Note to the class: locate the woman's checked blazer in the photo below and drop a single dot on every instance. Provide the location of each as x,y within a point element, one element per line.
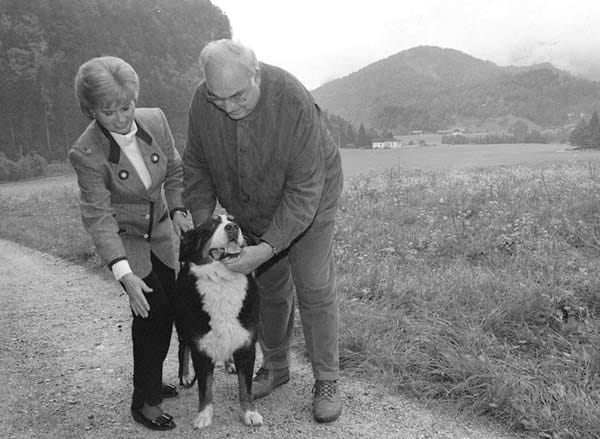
<point>126,220</point>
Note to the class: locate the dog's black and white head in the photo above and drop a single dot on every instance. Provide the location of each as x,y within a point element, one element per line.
<point>216,239</point>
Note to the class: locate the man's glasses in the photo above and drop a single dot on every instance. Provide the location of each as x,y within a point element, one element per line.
<point>238,98</point>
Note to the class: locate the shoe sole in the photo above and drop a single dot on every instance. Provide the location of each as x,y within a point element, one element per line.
<point>326,419</point>
<point>277,383</point>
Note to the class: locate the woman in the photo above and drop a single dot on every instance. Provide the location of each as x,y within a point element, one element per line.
<point>130,181</point>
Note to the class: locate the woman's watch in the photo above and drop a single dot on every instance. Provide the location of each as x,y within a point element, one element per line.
<point>178,209</point>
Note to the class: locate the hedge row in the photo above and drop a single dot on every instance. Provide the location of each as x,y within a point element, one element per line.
<point>31,165</point>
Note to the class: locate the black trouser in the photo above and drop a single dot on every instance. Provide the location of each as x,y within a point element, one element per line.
<point>152,336</point>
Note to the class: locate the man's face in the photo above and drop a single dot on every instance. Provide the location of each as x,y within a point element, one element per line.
<point>234,91</point>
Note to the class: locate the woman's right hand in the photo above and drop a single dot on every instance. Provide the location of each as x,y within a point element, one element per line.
<point>136,288</point>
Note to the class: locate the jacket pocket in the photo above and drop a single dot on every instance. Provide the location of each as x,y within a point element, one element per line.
<point>132,218</point>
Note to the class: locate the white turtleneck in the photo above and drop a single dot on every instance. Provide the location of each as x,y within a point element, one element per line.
<point>129,145</point>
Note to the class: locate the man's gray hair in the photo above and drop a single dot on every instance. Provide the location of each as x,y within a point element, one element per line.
<point>221,53</point>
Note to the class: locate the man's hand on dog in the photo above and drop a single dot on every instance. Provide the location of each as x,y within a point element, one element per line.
<point>136,288</point>
<point>250,258</point>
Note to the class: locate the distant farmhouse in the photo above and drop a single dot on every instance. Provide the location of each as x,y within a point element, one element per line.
<point>454,131</point>
<point>386,144</point>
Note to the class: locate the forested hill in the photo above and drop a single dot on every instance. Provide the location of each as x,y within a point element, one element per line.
<point>430,88</point>
<point>43,42</point>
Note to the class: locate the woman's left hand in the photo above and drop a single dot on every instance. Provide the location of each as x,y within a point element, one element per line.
<point>181,223</point>
<point>250,258</point>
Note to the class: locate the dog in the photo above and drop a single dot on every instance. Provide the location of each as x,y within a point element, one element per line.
<point>216,314</point>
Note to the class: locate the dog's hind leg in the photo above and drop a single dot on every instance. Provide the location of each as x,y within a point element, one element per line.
<point>186,379</point>
<point>204,367</point>
<point>244,363</point>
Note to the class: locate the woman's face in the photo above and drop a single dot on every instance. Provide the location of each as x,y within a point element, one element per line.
<point>116,118</point>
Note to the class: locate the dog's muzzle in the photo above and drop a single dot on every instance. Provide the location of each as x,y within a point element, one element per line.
<point>221,254</point>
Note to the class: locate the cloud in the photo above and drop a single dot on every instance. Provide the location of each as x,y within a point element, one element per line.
<point>578,58</point>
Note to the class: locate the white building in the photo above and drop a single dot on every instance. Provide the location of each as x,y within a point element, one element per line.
<point>386,144</point>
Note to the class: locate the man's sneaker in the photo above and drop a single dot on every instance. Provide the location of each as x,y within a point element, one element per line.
<point>327,402</point>
<point>267,380</point>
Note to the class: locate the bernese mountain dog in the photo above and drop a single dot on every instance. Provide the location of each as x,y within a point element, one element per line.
<point>216,314</point>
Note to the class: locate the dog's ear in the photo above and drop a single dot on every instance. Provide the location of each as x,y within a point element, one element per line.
<point>193,241</point>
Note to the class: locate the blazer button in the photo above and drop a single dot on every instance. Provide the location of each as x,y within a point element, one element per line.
<point>147,216</point>
<point>146,236</point>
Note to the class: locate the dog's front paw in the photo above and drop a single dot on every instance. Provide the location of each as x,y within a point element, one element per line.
<point>252,417</point>
<point>204,418</point>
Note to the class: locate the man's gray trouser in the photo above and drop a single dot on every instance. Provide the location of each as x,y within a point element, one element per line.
<point>308,266</point>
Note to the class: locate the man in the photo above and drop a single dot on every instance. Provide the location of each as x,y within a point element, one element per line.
<point>257,144</point>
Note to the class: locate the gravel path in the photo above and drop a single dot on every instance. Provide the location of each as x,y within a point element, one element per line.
<point>66,367</point>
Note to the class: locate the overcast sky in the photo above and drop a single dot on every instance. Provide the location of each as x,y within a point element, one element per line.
<point>320,40</point>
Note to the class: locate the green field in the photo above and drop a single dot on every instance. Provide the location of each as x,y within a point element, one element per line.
<point>447,157</point>
<point>467,274</point>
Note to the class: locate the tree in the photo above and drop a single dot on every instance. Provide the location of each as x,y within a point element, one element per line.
<point>520,130</point>
<point>363,139</point>
<point>580,135</point>
<point>350,135</point>
<point>594,131</point>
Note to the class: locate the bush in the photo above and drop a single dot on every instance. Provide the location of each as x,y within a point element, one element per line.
<point>14,171</point>
<point>31,165</point>
<point>38,164</point>
<point>4,168</point>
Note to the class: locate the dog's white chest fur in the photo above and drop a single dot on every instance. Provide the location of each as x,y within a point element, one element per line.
<point>223,294</point>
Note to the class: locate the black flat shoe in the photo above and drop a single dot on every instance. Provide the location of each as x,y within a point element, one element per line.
<point>169,391</point>
<point>163,422</point>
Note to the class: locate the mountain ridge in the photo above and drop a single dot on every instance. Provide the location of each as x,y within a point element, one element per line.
<point>430,88</point>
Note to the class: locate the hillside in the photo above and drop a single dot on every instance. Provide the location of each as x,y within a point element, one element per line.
<point>431,88</point>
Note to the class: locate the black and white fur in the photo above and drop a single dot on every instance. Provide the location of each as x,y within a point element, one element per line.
<point>216,314</point>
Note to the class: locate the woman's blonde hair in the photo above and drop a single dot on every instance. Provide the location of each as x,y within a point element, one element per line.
<point>105,81</point>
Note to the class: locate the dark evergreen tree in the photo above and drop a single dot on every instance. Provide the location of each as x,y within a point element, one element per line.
<point>594,131</point>
<point>363,139</point>
<point>580,135</point>
<point>350,135</point>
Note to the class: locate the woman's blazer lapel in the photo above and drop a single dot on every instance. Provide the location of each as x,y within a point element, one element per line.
<point>124,174</point>
<point>154,157</point>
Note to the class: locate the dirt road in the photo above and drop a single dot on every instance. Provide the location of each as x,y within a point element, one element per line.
<point>66,368</point>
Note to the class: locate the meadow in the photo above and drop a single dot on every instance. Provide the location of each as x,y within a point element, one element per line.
<point>477,286</point>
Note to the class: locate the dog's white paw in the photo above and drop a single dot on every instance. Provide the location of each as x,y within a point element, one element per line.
<point>188,379</point>
<point>204,418</point>
<point>252,417</point>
